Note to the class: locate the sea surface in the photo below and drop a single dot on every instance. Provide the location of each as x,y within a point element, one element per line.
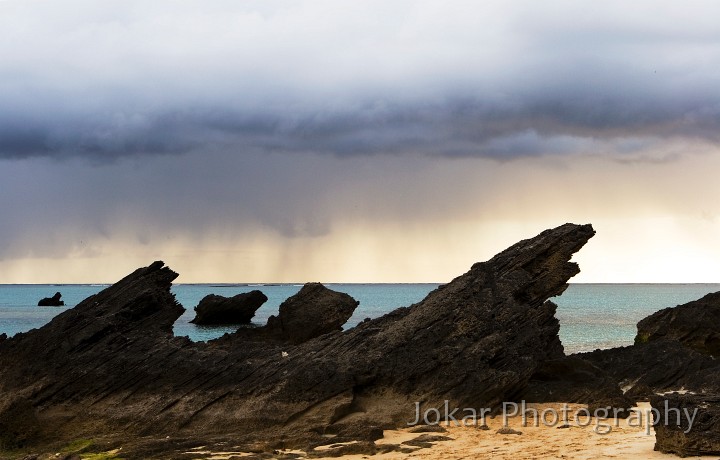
<point>591,315</point>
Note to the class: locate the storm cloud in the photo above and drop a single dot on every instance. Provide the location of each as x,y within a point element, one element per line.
<point>355,141</point>
<point>497,79</point>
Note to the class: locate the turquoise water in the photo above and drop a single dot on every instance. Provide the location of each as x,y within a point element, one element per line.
<point>605,315</point>
<point>591,315</point>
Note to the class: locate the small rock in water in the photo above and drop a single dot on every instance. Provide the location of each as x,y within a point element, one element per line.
<point>53,301</point>
<point>240,309</point>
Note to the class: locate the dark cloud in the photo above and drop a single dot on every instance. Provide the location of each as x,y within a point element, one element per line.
<point>449,129</point>
<point>498,80</point>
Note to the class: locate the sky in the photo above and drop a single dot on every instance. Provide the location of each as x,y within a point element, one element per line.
<point>347,141</point>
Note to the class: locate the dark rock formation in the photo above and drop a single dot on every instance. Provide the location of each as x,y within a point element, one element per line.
<point>312,312</point>
<point>689,425</point>
<point>695,324</point>
<point>53,301</point>
<point>575,380</point>
<point>239,309</point>
<point>658,366</point>
<point>675,349</point>
<point>112,367</point>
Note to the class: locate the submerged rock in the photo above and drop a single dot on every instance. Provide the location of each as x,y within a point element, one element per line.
<point>239,309</point>
<point>53,301</point>
<point>113,367</point>
<point>694,324</point>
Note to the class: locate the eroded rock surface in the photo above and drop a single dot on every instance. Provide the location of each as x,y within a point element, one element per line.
<point>111,366</point>
<point>240,309</point>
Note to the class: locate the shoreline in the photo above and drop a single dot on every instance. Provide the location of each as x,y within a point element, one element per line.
<point>574,440</point>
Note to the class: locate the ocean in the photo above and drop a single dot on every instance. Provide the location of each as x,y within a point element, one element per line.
<point>591,315</point>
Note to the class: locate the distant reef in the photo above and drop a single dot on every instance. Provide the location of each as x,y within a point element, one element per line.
<point>111,370</point>
<point>53,301</point>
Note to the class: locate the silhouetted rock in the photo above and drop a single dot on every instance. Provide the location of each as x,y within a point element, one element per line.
<point>674,431</point>
<point>694,324</point>
<point>239,309</point>
<point>312,312</point>
<point>113,367</point>
<point>53,301</point>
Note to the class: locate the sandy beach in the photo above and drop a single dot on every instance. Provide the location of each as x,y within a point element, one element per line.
<point>624,441</point>
<point>575,442</point>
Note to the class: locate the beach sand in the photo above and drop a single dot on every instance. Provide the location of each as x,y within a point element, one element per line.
<point>626,439</point>
<point>573,442</point>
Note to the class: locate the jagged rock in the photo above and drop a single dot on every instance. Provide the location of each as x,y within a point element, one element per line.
<point>53,301</point>
<point>575,380</point>
<point>658,366</point>
<point>312,312</point>
<point>694,324</point>
<point>674,433</point>
<point>113,367</point>
<point>239,309</point>
<point>674,350</point>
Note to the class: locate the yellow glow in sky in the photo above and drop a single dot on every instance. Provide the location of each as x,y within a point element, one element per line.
<point>655,222</point>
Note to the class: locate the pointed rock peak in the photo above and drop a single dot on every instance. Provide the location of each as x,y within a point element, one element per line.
<point>534,269</point>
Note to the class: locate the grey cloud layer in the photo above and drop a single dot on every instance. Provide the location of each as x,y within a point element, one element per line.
<point>500,79</point>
